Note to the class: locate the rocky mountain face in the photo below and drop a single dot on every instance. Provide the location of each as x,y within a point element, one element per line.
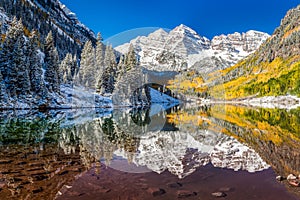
<point>285,40</point>
<point>50,15</point>
<point>273,69</point>
<point>183,48</point>
<point>247,42</point>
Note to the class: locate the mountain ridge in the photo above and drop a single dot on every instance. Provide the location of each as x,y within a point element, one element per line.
<point>272,70</point>
<point>181,48</point>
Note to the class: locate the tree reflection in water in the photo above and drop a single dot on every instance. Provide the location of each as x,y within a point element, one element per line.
<point>41,152</point>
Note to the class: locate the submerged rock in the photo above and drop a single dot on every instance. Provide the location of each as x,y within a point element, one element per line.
<point>175,185</point>
<point>219,194</point>
<point>291,177</point>
<point>279,178</point>
<point>185,193</point>
<point>294,183</point>
<point>156,191</point>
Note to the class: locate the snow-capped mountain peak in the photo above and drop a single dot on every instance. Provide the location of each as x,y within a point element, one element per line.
<point>183,48</point>
<point>184,30</point>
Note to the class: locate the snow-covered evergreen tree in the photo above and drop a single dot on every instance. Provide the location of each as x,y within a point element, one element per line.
<point>99,62</point>
<point>75,66</point>
<point>52,75</point>
<point>20,63</point>
<point>87,72</point>
<point>6,57</point>
<point>121,70</point>
<point>130,59</point>
<point>99,53</point>
<point>105,84</point>
<point>35,66</point>
<point>66,68</point>
<point>7,48</point>
<point>14,63</point>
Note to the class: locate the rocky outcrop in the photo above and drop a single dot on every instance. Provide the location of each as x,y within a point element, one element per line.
<point>247,42</point>
<point>285,40</point>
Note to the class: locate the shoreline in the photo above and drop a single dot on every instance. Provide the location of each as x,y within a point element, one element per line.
<point>281,102</point>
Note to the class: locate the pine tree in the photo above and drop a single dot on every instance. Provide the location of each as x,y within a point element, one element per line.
<point>20,62</point>
<point>87,71</point>
<point>52,75</point>
<point>6,57</point>
<point>130,59</point>
<point>106,83</point>
<point>99,52</point>
<point>121,70</point>
<point>66,67</point>
<point>107,58</point>
<point>15,64</point>
<point>35,66</point>
<point>75,67</point>
<point>99,62</point>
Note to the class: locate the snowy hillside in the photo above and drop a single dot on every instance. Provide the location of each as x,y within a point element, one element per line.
<point>52,15</point>
<point>183,48</point>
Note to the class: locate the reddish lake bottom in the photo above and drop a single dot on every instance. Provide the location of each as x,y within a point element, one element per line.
<point>112,184</point>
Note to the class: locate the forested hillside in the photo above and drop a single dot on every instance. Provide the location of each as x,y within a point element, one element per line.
<point>45,16</point>
<point>32,75</point>
<point>274,69</point>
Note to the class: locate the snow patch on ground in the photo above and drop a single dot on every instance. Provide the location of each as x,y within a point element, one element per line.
<point>159,97</point>
<point>80,97</point>
<point>284,102</point>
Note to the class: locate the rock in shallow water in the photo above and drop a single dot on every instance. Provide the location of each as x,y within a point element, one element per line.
<point>218,194</point>
<point>175,185</point>
<point>156,191</point>
<point>294,183</point>
<point>291,177</point>
<point>185,193</point>
<point>279,178</point>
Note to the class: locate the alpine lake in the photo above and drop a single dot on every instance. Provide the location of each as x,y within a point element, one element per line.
<point>163,152</point>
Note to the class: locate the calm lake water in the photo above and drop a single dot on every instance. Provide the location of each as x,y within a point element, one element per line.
<point>164,152</point>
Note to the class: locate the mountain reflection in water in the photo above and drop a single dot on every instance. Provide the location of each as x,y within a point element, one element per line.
<point>42,153</point>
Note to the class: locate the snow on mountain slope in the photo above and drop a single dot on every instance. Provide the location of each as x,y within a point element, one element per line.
<point>51,15</point>
<point>183,48</point>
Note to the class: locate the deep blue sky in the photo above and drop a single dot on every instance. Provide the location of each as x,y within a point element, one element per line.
<point>207,17</point>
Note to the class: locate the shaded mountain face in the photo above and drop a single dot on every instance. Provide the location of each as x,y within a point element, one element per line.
<point>50,15</point>
<point>183,48</point>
